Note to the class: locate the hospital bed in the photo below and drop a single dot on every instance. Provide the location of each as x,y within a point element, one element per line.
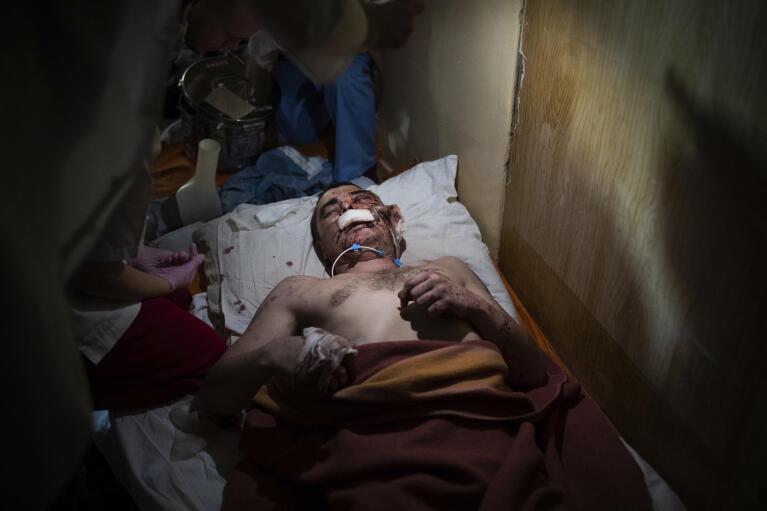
<point>168,460</point>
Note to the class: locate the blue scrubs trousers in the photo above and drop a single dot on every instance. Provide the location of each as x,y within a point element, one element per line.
<point>307,110</point>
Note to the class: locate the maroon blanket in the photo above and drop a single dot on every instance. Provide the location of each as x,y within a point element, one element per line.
<point>549,448</point>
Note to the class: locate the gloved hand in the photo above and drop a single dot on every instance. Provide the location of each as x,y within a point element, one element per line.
<point>178,268</point>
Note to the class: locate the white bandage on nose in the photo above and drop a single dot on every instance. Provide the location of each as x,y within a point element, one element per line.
<point>322,354</point>
<point>354,215</point>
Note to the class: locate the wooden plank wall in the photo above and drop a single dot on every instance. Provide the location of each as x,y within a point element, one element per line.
<point>635,225</point>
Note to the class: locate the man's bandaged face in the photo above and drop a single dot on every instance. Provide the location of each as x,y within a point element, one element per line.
<point>364,219</point>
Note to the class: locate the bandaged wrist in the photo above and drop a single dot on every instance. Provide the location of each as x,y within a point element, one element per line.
<point>321,354</point>
<point>320,346</point>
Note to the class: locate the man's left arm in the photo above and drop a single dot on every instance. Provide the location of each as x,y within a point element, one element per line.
<point>466,297</point>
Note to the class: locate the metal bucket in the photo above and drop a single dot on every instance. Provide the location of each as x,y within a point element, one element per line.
<point>219,102</point>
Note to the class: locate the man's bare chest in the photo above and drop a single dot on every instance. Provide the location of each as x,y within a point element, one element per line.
<point>357,284</point>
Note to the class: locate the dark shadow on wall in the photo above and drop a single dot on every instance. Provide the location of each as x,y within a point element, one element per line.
<point>714,191</point>
<point>710,444</point>
<point>713,232</point>
<point>595,352</point>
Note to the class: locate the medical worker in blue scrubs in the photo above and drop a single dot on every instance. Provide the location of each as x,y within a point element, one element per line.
<point>306,111</point>
<point>310,106</point>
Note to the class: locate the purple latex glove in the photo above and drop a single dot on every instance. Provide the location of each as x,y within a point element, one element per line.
<point>149,258</point>
<point>178,268</point>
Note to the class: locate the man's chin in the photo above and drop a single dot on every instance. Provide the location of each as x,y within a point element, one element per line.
<point>368,236</point>
<point>358,234</point>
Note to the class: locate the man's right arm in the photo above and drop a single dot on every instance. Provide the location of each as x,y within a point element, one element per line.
<point>269,347</point>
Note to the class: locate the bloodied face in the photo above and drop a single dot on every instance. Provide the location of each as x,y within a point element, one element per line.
<point>330,238</point>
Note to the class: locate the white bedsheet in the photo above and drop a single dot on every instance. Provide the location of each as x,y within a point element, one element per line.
<point>139,448</point>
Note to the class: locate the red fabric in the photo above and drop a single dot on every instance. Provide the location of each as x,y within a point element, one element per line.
<point>565,455</point>
<point>165,354</point>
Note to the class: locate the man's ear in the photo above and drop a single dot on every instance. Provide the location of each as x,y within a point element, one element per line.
<point>391,212</point>
<point>395,214</point>
<point>396,219</point>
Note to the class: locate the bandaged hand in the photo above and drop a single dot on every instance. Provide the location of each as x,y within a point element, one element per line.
<point>178,268</point>
<point>320,366</point>
<point>437,294</point>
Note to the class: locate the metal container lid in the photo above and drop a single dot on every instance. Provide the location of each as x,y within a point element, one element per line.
<point>218,86</point>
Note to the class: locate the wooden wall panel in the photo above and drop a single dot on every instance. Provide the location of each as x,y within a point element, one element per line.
<point>635,224</point>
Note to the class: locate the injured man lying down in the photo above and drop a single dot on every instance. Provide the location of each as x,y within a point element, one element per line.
<point>392,387</point>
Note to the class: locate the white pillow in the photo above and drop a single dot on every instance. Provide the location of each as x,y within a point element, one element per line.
<point>426,187</point>
<point>258,246</point>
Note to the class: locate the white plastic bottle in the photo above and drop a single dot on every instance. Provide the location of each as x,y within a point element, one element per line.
<point>198,199</point>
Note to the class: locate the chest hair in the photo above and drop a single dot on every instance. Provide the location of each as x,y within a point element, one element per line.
<point>383,281</point>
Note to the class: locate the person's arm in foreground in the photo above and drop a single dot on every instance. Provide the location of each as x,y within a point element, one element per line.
<point>118,281</point>
<point>270,347</point>
<point>153,272</point>
<point>469,299</point>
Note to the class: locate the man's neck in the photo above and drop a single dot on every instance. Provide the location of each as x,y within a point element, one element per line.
<point>376,265</point>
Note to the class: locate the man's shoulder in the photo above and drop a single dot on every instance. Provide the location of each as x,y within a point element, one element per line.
<point>297,282</point>
<point>450,262</point>
<point>294,290</point>
<point>452,267</point>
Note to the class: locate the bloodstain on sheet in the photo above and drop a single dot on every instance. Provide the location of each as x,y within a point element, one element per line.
<point>289,263</point>
<point>228,249</point>
<point>242,307</point>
